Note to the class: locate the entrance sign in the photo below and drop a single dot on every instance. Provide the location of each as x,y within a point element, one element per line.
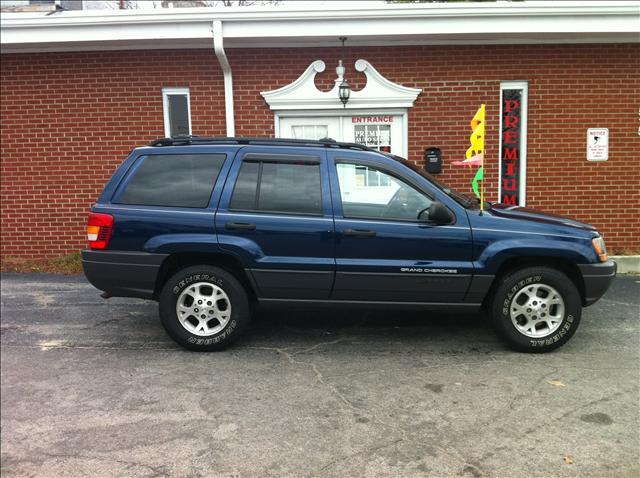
<point>597,144</point>
<point>372,119</point>
<point>513,134</point>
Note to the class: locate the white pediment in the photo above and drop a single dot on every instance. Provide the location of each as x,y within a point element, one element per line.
<point>378,92</point>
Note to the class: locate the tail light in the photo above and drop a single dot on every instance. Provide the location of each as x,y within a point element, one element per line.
<point>99,230</point>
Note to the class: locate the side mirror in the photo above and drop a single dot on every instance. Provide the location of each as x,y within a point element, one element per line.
<point>440,214</point>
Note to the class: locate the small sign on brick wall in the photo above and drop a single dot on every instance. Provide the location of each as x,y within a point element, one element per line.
<point>597,144</point>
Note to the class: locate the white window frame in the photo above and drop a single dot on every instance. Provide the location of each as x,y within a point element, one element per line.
<point>165,107</point>
<point>524,115</point>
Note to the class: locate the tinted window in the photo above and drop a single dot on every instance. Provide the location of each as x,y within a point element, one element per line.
<point>369,193</point>
<point>283,187</point>
<point>178,114</point>
<point>180,180</point>
<point>244,192</point>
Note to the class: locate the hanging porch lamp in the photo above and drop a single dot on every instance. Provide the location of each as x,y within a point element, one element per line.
<point>344,90</point>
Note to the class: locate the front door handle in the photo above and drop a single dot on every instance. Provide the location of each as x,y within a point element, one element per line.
<point>240,226</point>
<point>359,232</point>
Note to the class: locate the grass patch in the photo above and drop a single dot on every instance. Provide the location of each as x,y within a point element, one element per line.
<point>70,264</point>
<point>624,252</point>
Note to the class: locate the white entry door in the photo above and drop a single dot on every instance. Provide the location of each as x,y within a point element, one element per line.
<point>379,131</point>
<point>310,128</point>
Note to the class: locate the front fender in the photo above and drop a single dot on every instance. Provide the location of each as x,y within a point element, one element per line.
<point>497,252</point>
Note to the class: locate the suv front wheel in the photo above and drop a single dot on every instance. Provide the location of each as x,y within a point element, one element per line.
<point>536,309</point>
<point>204,308</point>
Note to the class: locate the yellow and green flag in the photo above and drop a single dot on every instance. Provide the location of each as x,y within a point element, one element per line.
<point>477,136</point>
<point>475,153</point>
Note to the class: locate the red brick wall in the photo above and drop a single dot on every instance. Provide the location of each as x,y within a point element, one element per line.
<point>69,119</point>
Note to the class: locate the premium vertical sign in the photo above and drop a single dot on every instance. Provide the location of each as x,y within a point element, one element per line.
<point>511,150</point>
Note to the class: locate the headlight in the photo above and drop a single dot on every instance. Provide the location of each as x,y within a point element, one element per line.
<point>600,248</point>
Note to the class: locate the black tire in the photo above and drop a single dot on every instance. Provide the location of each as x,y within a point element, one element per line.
<point>514,287</point>
<point>204,274</point>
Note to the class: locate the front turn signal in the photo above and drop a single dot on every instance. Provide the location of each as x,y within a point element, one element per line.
<point>600,248</point>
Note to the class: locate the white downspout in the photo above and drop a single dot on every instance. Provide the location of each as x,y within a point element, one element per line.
<point>218,47</point>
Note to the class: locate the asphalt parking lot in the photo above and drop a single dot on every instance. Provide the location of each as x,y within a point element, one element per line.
<point>95,388</point>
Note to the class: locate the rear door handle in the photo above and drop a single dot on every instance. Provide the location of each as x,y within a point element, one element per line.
<point>359,232</point>
<point>240,226</point>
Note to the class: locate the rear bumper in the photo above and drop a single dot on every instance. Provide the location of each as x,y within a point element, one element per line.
<point>597,279</point>
<point>122,273</point>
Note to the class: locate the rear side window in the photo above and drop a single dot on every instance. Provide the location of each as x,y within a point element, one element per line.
<point>245,190</point>
<point>175,180</point>
<point>286,187</point>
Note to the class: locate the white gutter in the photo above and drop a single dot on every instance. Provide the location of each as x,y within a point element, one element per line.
<point>269,13</point>
<point>218,47</point>
<point>389,24</point>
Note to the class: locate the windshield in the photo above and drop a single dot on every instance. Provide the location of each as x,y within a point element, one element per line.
<point>462,199</point>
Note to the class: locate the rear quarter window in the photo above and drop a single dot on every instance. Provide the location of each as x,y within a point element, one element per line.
<point>174,180</point>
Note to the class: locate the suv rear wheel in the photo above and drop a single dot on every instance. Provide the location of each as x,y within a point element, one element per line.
<point>536,309</point>
<point>204,308</point>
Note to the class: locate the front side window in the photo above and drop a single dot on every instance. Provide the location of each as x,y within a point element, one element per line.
<point>175,180</point>
<point>286,187</point>
<point>381,196</point>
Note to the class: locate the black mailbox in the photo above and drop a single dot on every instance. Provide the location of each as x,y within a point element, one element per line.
<point>433,160</point>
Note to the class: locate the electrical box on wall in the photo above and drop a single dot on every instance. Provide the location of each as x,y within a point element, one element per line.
<point>433,160</point>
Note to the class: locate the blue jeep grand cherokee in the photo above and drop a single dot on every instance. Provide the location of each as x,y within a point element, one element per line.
<point>210,227</point>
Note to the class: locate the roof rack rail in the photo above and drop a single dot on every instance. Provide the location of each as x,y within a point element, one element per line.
<point>324,142</point>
